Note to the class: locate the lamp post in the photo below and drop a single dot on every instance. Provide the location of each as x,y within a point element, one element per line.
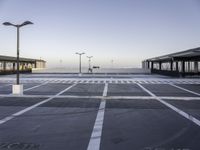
<point>80,54</point>
<point>18,26</point>
<point>112,62</point>
<point>89,62</point>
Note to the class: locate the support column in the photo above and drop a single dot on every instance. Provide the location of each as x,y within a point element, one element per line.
<point>13,66</point>
<point>177,66</point>
<point>148,65</point>
<point>171,65</point>
<point>160,65</point>
<point>183,66</point>
<point>152,65</point>
<point>4,66</point>
<point>196,67</point>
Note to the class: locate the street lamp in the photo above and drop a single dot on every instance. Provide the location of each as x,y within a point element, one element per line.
<point>89,62</point>
<point>80,54</point>
<point>18,26</point>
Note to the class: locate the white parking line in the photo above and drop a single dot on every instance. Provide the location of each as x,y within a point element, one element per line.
<point>33,106</point>
<point>35,86</point>
<point>195,93</point>
<point>105,90</point>
<point>101,97</point>
<point>95,139</point>
<point>179,111</point>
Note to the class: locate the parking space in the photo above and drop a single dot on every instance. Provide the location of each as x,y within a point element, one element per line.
<point>8,105</point>
<point>7,88</point>
<point>59,124</point>
<point>4,84</point>
<point>192,87</point>
<point>191,107</point>
<point>48,89</point>
<point>86,90</point>
<point>125,90</point>
<point>116,115</point>
<point>167,90</point>
<point>146,124</point>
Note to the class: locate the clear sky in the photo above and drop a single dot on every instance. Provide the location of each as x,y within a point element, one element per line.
<point>125,31</point>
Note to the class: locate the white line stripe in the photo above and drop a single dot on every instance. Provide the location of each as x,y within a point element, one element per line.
<point>33,106</point>
<point>105,90</point>
<point>35,86</point>
<point>185,89</point>
<point>95,139</point>
<point>179,111</point>
<point>100,97</point>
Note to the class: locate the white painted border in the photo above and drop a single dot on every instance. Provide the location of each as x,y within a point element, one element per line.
<point>95,139</point>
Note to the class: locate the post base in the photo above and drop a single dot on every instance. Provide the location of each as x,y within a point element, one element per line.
<point>17,89</point>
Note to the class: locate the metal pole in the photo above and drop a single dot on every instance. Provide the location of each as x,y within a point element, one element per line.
<point>79,63</point>
<point>18,55</point>
<point>89,62</point>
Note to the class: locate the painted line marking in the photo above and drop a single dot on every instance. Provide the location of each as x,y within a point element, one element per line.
<point>101,97</point>
<point>179,111</point>
<point>35,86</point>
<point>33,106</point>
<point>95,139</point>
<point>195,93</point>
<point>105,90</point>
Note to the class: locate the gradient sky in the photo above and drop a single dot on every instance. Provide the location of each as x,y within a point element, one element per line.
<point>126,31</point>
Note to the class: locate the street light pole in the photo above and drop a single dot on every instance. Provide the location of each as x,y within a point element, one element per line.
<point>17,55</point>
<point>89,62</point>
<point>17,89</point>
<point>18,26</point>
<point>80,54</point>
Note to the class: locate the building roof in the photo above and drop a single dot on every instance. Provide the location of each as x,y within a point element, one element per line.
<point>182,55</point>
<point>13,59</point>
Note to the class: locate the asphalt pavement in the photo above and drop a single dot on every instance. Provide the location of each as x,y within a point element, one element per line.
<point>100,114</point>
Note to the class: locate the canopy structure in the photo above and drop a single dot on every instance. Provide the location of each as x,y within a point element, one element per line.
<point>8,64</point>
<point>176,64</point>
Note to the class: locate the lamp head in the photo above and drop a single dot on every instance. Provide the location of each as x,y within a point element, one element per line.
<point>8,24</point>
<point>25,23</point>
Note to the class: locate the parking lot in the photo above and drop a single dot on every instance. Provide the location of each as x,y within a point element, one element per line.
<point>100,113</point>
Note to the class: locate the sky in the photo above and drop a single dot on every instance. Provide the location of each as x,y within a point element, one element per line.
<point>118,33</point>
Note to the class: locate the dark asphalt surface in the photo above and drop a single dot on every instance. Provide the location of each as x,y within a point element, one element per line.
<point>7,88</point>
<point>129,124</point>
<point>125,90</point>
<point>48,89</point>
<point>191,107</point>
<point>192,87</point>
<point>86,90</point>
<point>167,90</point>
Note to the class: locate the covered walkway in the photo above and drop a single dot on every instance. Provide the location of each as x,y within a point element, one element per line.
<point>8,64</point>
<point>184,63</point>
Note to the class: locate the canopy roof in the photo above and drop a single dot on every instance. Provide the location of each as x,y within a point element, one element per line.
<point>191,54</point>
<point>13,59</point>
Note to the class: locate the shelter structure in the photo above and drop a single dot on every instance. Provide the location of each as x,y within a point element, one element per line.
<point>8,64</point>
<point>184,63</point>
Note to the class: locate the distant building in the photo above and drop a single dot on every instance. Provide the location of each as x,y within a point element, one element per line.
<point>8,64</point>
<point>184,63</point>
